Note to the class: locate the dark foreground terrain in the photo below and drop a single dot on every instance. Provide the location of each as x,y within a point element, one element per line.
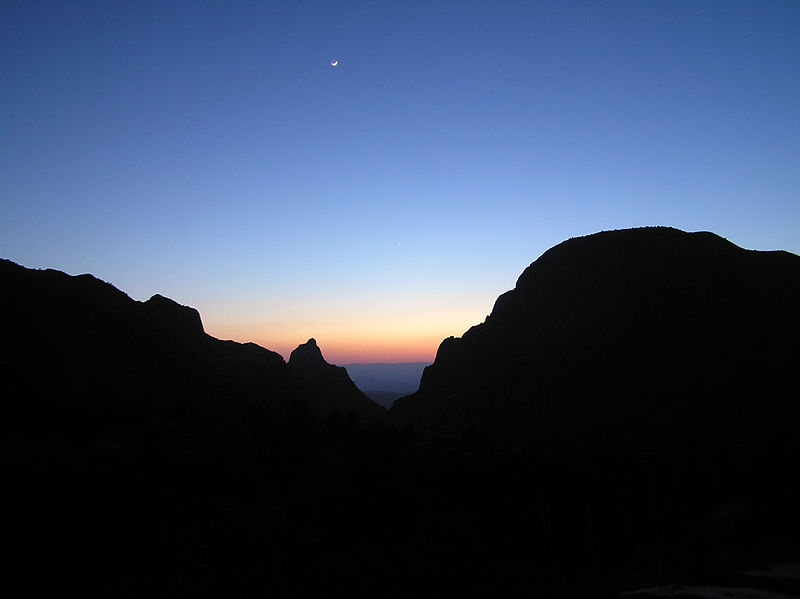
<point>171,509</point>
<point>142,457</point>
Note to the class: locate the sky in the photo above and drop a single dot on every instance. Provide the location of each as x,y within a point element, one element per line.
<point>208,151</point>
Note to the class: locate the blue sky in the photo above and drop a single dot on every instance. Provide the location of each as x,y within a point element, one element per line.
<point>209,152</point>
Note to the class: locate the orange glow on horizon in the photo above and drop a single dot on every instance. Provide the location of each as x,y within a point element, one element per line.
<point>406,337</point>
<point>350,351</point>
<point>347,349</point>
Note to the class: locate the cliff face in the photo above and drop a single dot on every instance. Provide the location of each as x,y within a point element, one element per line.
<point>641,335</point>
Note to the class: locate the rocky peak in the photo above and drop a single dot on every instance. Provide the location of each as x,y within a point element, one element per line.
<point>326,387</point>
<point>307,354</point>
<point>171,316</point>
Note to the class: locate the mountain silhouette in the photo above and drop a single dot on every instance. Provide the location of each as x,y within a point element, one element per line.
<point>327,388</point>
<point>75,342</point>
<point>649,335</point>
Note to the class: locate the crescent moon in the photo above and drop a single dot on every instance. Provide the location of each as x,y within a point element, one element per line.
<point>335,63</point>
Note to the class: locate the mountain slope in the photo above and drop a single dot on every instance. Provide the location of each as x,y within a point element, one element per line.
<point>644,335</point>
<point>326,387</point>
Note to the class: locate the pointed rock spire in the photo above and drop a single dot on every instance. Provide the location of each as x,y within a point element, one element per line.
<point>326,387</point>
<point>307,354</point>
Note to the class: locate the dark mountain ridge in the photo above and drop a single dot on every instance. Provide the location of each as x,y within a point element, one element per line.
<point>648,335</point>
<point>76,341</point>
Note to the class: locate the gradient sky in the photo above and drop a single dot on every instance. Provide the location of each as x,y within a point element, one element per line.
<point>209,152</point>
